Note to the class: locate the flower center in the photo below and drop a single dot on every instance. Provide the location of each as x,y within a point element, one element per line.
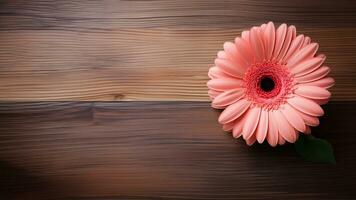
<point>268,84</point>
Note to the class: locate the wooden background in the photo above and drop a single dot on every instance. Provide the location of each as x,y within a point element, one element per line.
<point>108,100</point>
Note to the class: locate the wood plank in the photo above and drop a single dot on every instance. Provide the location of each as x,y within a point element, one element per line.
<point>108,15</point>
<point>152,150</point>
<point>149,50</point>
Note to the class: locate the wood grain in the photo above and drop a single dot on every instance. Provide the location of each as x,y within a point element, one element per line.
<point>160,150</point>
<point>155,50</point>
<point>150,50</point>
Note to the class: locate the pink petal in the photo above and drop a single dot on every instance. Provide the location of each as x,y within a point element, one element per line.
<point>222,54</point>
<point>286,42</point>
<point>245,35</point>
<point>269,39</point>
<point>228,97</point>
<point>250,141</point>
<point>306,41</point>
<point>321,101</point>
<point>324,83</point>
<point>281,140</point>
<point>252,118</point>
<point>235,56</point>
<point>284,128</point>
<point>216,72</point>
<point>303,54</point>
<point>262,128</point>
<point>319,73</point>
<point>263,27</point>
<point>237,130</point>
<point>293,117</point>
<point>307,66</point>
<point>231,50</point>
<point>244,50</point>
<point>308,119</point>
<point>272,134</point>
<point>229,67</point>
<point>321,56</point>
<point>294,31</point>
<point>224,84</point>
<point>306,106</point>
<point>280,35</point>
<point>312,92</point>
<point>234,111</point>
<point>229,126</point>
<point>257,44</point>
<point>294,47</point>
<point>213,93</point>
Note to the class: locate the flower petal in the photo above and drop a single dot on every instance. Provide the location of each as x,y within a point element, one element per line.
<point>244,50</point>
<point>228,97</point>
<point>284,128</point>
<point>229,126</point>
<point>272,134</point>
<point>308,119</point>
<point>281,140</point>
<point>303,54</point>
<point>317,74</point>
<point>245,35</point>
<point>257,43</point>
<point>324,82</point>
<point>286,43</point>
<point>263,27</point>
<point>307,66</point>
<point>306,106</point>
<point>306,41</point>
<point>269,39</point>
<point>250,141</point>
<point>235,56</point>
<point>321,101</point>
<point>312,92</point>
<point>293,117</point>
<point>237,130</point>
<point>262,128</point>
<point>294,47</point>
<point>222,54</point>
<point>224,84</point>
<point>280,35</point>
<point>230,49</point>
<point>252,118</point>
<point>293,30</point>
<point>234,111</point>
<point>213,93</point>
<point>216,72</point>
<point>229,67</point>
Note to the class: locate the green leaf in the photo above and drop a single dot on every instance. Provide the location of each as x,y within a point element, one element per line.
<point>314,149</point>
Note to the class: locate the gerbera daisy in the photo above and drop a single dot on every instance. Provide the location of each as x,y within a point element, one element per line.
<point>271,84</point>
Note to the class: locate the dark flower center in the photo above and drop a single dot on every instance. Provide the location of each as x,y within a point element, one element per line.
<point>267,84</point>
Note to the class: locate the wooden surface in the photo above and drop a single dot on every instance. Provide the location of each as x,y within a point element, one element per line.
<point>150,50</point>
<point>58,141</point>
<point>151,150</point>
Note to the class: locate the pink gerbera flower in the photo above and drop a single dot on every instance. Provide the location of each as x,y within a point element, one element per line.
<point>271,84</point>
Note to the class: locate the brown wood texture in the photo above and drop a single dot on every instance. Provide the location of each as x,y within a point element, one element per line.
<point>139,51</point>
<point>156,150</point>
<point>150,50</point>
